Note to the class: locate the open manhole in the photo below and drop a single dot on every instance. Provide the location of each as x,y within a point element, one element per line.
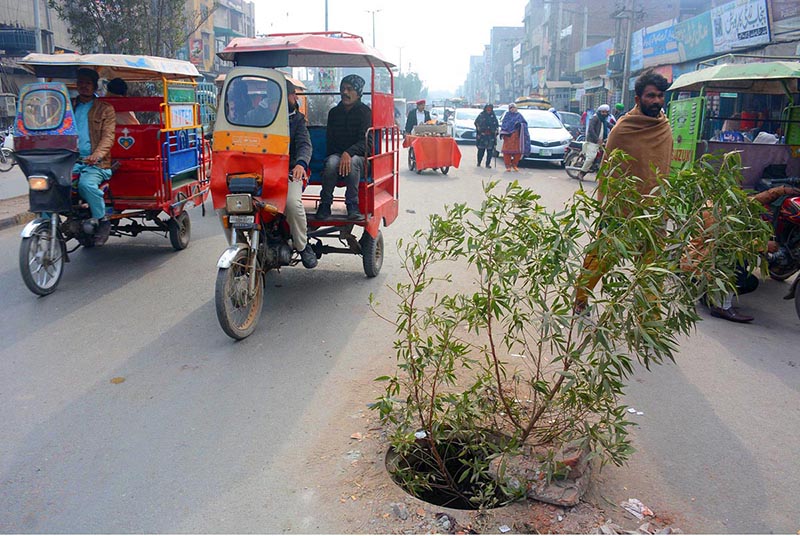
<point>460,488</point>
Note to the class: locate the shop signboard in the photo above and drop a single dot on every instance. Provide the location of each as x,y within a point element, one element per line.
<point>636,50</point>
<point>658,44</point>
<point>785,16</point>
<point>594,56</point>
<point>694,37</point>
<point>740,24</point>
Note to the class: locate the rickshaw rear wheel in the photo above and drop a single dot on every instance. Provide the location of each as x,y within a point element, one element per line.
<point>797,300</point>
<point>412,159</point>
<point>237,311</point>
<point>372,253</point>
<point>40,273</point>
<point>180,231</point>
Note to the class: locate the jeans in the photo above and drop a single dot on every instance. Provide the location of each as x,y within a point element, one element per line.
<point>330,176</point>
<point>88,187</point>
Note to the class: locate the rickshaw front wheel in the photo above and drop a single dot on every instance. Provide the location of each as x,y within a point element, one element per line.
<point>372,253</point>
<point>180,231</point>
<point>237,310</point>
<point>40,272</point>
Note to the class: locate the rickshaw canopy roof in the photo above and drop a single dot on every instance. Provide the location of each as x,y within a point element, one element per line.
<point>330,49</point>
<point>773,77</point>
<point>108,66</point>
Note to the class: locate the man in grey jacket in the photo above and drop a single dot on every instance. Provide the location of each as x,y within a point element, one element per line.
<point>596,136</point>
<point>299,158</point>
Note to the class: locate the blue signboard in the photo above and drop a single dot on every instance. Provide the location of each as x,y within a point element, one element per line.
<point>594,56</point>
<point>695,37</point>
<point>658,44</point>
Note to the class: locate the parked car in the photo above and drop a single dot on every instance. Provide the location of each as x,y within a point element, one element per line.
<point>572,122</point>
<point>500,110</point>
<point>549,138</point>
<point>464,123</point>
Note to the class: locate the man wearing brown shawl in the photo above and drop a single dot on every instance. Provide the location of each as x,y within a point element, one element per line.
<point>644,134</point>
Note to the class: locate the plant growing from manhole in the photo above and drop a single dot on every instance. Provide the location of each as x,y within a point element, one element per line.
<point>494,361</point>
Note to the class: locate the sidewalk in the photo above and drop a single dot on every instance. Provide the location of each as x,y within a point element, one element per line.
<point>14,211</point>
<point>13,198</point>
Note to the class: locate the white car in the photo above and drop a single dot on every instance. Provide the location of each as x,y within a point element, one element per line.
<point>549,138</point>
<point>464,123</point>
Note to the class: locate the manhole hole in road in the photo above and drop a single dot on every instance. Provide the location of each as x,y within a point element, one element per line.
<point>454,476</point>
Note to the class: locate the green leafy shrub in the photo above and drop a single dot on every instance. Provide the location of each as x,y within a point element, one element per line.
<point>505,363</point>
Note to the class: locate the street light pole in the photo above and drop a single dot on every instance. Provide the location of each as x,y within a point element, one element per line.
<point>373,11</point>
<point>326,15</point>
<point>626,72</point>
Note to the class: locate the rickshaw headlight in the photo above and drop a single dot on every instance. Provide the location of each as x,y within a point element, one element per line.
<point>239,204</point>
<point>38,182</point>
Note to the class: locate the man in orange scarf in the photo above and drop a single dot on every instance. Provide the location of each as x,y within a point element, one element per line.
<point>644,134</point>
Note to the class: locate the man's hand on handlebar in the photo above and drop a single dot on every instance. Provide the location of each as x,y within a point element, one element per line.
<point>298,173</point>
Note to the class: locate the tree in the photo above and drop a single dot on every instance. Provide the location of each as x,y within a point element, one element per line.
<point>151,27</point>
<point>503,364</point>
<point>409,86</point>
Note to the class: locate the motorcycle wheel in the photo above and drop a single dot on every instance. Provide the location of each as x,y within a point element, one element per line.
<point>40,273</point>
<point>779,275</point>
<point>797,300</point>
<point>237,312</point>
<point>372,253</point>
<point>180,231</point>
<point>6,159</point>
<point>573,163</point>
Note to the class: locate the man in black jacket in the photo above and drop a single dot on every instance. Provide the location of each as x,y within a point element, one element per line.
<point>346,140</point>
<point>418,116</point>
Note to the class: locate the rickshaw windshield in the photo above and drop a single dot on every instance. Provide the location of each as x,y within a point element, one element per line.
<point>252,101</point>
<point>43,109</point>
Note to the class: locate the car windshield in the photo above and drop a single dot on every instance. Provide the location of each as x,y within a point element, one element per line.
<point>570,119</point>
<point>467,114</point>
<point>541,119</point>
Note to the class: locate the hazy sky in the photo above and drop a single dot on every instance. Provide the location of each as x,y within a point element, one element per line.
<point>437,36</point>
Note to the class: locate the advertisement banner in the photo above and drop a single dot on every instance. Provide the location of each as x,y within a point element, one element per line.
<point>694,37</point>
<point>196,51</point>
<point>658,44</point>
<point>594,56</point>
<point>740,24</point>
<point>686,119</point>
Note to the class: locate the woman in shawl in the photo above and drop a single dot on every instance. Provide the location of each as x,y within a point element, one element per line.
<point>486,126</point>
<point>516,139</point>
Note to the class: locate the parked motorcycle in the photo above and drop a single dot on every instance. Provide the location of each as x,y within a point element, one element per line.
<point>574,159</point>
<point>785,220</point>
<point>7,159</point>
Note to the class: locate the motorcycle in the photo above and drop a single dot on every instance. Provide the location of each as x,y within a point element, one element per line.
<point>575,157</point>
<point>7,159</point>
<point>785,220</point>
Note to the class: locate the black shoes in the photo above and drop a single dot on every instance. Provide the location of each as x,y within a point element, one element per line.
<point>308,257</point>
<point>732,314</point>
<point>323,212</point>
<point>354,215</point>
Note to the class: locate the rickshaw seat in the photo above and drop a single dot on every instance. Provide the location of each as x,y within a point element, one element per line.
<point>136,141</point>
<point>319,150</point>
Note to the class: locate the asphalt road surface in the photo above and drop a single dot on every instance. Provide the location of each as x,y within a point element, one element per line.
<point>206,435</point>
